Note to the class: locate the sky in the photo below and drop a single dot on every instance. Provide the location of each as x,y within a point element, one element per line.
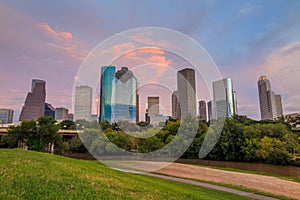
<point>246,39</point>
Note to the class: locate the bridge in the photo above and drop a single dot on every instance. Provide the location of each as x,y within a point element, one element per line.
<point>64,133</point>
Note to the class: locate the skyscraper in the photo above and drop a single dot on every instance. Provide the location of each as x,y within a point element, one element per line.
<point>224,98</point>
<point>186,86</point>
<point>83,103</point>
<point>106,87</point>
<point>6,116</point>
<point>124,96</point>
<point>34,106</point>
<point>211,110</point>
<point>202,110</point>
<point>175,105</point>
<point>279,105</point>
<point>270,104</point>
<point>153,106</point>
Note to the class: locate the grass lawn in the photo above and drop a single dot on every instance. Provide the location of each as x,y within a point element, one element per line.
<point>34,175</point>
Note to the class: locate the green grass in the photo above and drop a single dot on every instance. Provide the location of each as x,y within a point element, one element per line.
<point>34,175</point>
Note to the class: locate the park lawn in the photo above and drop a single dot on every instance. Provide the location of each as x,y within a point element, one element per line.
<point>34,175</point>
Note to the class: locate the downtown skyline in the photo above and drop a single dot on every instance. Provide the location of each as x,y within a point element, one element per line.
<point>254,39</point>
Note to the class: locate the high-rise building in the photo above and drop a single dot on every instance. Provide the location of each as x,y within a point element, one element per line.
<point>279,105</point>
<point>83,103</point>
<point>175,105</point>
<point>202,110</point>
<point>224,98</point>
<point>106,88</point>
<point>186,86</point>
<point>61,114</point>
<point>34,106</point>
<point>124,96</point>
<point>6,116</point>
<point>270,104</point>
<point>153,106</point>
<point>211,110</point>
<point>49,110</point>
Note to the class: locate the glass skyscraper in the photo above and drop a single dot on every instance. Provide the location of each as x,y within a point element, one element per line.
<point>124,96</point>
<point>106,87</point>
<point>224,98</point>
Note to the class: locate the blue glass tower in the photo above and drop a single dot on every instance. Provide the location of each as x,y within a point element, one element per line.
<point>107,76</point>
<point>124,96</point>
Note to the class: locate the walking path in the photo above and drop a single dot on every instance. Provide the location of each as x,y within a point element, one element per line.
<point>268,184</point>
<point>207,185</point>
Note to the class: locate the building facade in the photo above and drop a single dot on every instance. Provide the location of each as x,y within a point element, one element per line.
<point>61,114</point>
<point>186,86</point>
<point>153,106</point>
<point>6,116</point>
<point>34,106</point>
<point>202,110</point>
<point>83,103</point>
<point>270,104</point>
<point>49,110</point>
<point>175,105</point>
<point>106,88</point>
<point>211,110</point>
<point>124,96</point>
<point>224,98</point>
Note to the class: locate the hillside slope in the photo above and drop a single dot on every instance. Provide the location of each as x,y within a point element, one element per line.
<point>34,175</point>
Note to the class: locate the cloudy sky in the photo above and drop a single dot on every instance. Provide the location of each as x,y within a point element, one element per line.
<point>50,39</point>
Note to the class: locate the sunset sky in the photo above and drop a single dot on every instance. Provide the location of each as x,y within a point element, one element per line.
<point>246,39</point>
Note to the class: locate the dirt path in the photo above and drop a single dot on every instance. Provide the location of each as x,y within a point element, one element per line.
<point>262,183</point>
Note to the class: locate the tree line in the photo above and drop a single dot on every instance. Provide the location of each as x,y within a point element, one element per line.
<point>241,139</point>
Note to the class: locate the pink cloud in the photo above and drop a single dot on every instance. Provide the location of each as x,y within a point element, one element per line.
<point>56,35</point>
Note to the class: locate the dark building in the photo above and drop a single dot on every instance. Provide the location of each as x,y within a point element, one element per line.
<point>175,106</point>
<point>34,106</point>
<point>49,110</point>
<point>202,110</point>
<point>186,86</point>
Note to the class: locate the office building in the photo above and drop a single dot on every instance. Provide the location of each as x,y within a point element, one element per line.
<point>186,86</point>
<point>279,105</point>
<point>175,105</point>
<point>106,88</point>
<point>202,110</point>
<point>224,98</point>
<point>211,110</point>
<point>153,106</point>
<point>34,106</point>
<point>83,103</point>
<point>61,114</point>
<point>6,116</point>
<point>124,96</point>
<point>49,110</point>
<point>270,104</point>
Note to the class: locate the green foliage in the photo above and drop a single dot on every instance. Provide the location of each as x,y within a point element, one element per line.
<point>67,125</point>
<point>35,135</point>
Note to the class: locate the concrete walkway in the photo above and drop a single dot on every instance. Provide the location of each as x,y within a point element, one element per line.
<point>207,185</point>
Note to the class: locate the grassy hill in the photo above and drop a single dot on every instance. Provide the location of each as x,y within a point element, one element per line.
<point>34,175</point>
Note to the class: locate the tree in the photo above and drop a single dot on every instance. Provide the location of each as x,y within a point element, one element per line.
<point>67,125</point>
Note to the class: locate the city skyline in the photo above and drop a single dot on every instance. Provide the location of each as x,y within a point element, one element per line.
<point>52,47</point>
